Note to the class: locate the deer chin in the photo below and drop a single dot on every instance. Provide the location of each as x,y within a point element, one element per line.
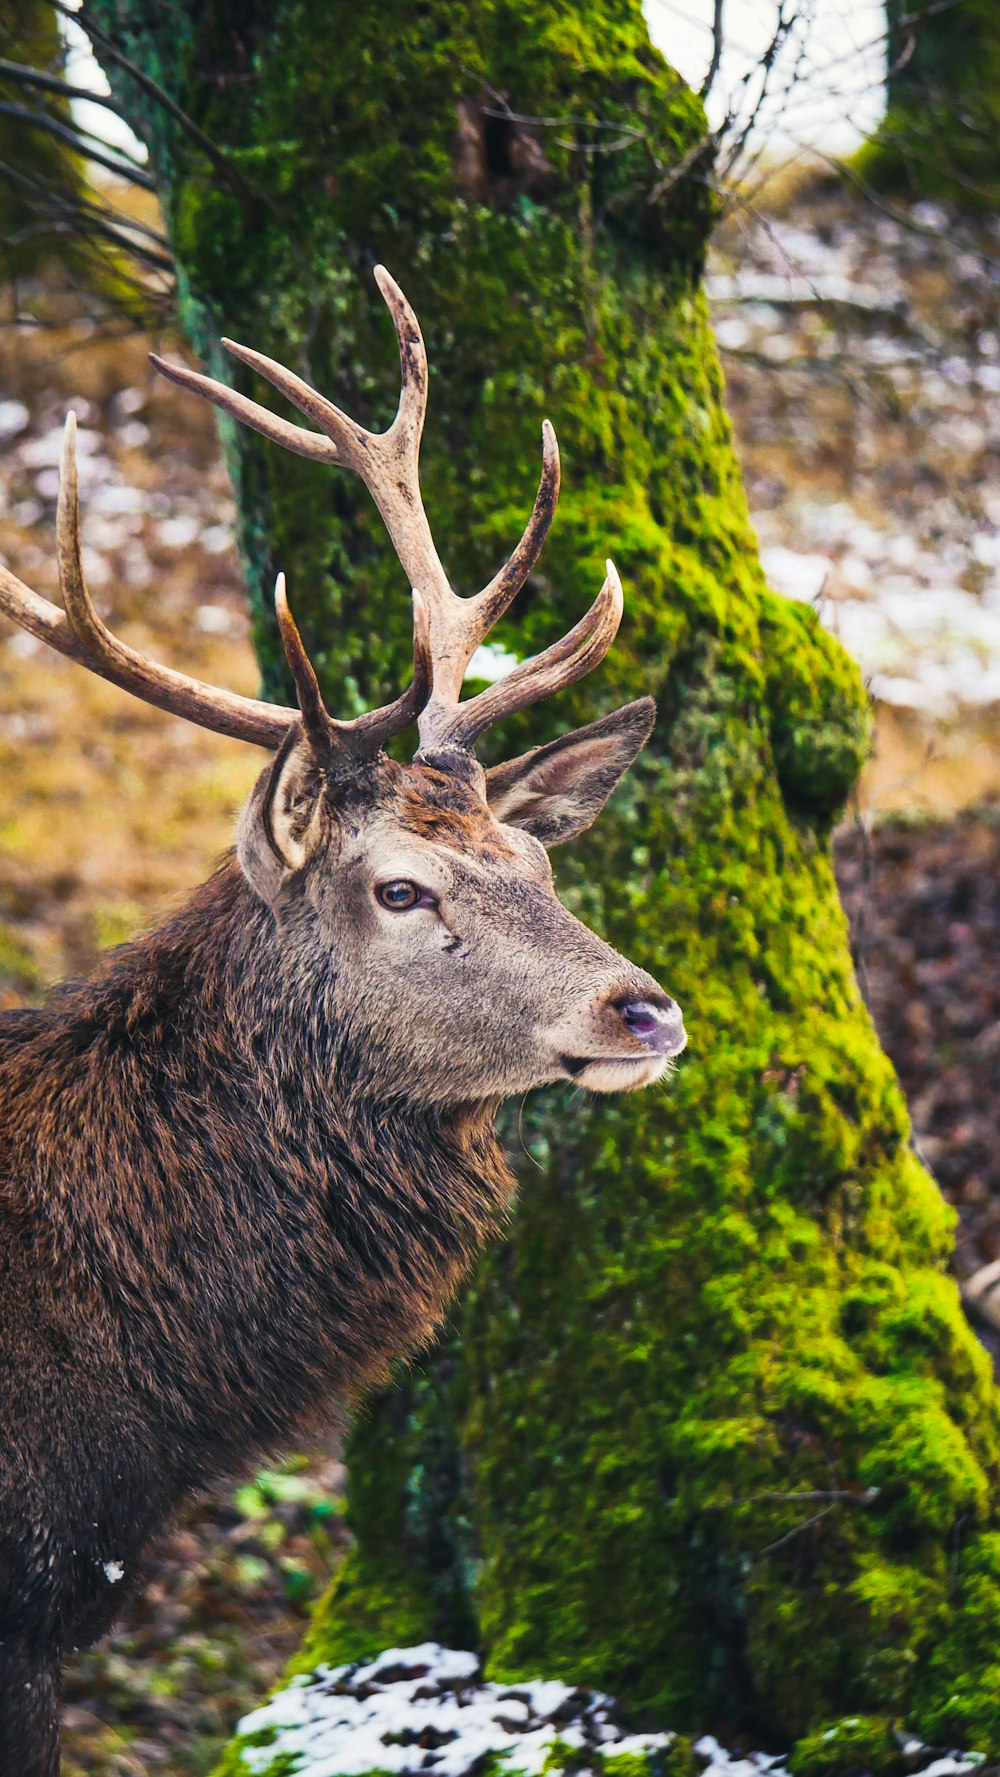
<point>625,1073</point>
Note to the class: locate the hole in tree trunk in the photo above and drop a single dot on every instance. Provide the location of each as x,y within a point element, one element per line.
<point>496,147</point>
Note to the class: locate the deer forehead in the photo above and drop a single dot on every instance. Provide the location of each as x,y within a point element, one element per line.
<point>447,849</point>
<point>420,823</point>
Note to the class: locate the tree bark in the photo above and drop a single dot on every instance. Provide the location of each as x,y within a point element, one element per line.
<point>39,174</point>
<point>940,136</point>
<point>712,1432</point>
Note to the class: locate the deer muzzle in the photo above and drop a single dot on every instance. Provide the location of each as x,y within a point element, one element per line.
<point>625,1039</point>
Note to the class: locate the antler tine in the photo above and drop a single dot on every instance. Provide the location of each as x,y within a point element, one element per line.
<point>80,634</point>
<point>316,718</point>
<point>345,440</point>
<point>375,727</point>
<point>367,733</point>
<point>558,666</point>
<point>388,464</point>
<point>496,598</point>
<point>240,407</point>
<point>412,409</point>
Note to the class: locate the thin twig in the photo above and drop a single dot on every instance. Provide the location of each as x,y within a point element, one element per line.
<point>717,39</point>
<point>796,1530</point>
<point>63,133</point>
<point>20,75</point>
<point>156,92</point>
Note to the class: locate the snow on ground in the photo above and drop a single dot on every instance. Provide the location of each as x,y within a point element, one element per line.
<point>863,355</point>
<point>428,1710</point>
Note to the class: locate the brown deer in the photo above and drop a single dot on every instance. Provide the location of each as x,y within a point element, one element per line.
<point>245,1165</point>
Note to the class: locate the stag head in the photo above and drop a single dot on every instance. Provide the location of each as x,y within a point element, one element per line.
<point>419,896</point>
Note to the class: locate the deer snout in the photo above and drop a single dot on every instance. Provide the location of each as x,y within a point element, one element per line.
<point>625,1037</point>
<point>655,1021</point>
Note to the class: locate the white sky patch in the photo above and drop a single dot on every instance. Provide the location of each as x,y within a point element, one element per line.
<point>491,661</point>
<point>83,69</point>
<point>826,88</point>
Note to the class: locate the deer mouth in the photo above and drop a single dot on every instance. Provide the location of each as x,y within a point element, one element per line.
<point>614,1073</point>
<point>578,1064</point>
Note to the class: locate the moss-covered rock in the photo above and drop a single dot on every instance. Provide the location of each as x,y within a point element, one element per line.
<point>712,1433</point>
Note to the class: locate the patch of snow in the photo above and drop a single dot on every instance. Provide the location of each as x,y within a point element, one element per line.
<point>130,401</point>
<point>985,547</point>
<point>733,333</point>
<point>46,452</point>
<point>216,538</point>
<point>22,645</point>
<point>721,1763</point>
<point>177,533</point>
<point>114,1571</point>
<point>133,435</point>
<point>118,500</point>
<point>14,416</point>
<point>930,215</point>
<point>213,619</point>
<point>794,286</point>
<point>798,576</point>
<point>95,567</point>
<point>136,567</point>
<point>951,1766</point>
<point>427,1710</point>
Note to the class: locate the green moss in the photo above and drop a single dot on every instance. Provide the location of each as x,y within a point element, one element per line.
<point>41,176</point>
<point>940,136</point>
<point>282,1765</point>
<point>713,1435</point>
<point>821,732</point>
<point>860,1746</point>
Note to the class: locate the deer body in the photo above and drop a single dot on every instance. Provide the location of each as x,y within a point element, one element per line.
<point>244,1167</point>
<point>202,1246</point>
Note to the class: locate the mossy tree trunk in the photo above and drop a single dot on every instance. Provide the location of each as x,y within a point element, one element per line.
<point>39,173</point>
<point>712,1432</point>
<point>940,136</point>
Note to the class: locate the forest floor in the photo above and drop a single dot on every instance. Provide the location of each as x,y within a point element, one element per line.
<point>863,361</point>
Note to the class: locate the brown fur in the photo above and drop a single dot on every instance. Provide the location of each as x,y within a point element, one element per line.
<point>244,1167</point>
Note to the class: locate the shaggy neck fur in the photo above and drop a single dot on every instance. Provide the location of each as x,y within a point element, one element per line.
<point>194,1157</point>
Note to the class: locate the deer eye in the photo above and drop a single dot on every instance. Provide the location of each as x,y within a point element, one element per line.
<point>400,896</point>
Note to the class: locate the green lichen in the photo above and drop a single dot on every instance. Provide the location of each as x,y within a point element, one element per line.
<point>711,1433</point>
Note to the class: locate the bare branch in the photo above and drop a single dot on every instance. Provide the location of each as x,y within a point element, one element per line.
<point>717,40</point>
<point>75,139</point>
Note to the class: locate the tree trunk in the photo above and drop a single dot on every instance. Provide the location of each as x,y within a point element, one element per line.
<point>940,136</point>
<point>712,1433</point>
<point>40,175</point>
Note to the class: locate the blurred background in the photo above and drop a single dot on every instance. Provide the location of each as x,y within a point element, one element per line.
<point>855,292</point>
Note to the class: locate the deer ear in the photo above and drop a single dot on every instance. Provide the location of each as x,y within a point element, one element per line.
<point>284,823</point>
<point>558,790</point>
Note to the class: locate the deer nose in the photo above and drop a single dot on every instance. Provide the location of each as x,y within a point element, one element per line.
<point>656,1023</point>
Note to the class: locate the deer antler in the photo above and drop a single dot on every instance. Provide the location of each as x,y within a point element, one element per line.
<point>80,634</point>
<point>387,463</point>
